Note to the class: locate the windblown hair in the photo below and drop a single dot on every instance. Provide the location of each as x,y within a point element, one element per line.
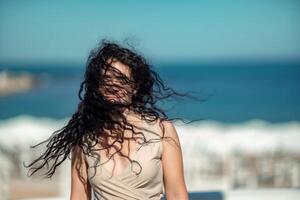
<point>97,117</point>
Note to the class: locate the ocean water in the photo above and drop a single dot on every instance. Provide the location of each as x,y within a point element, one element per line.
<point>229,92</point>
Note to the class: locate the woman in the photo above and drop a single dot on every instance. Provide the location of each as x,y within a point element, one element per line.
<point>122,145</point>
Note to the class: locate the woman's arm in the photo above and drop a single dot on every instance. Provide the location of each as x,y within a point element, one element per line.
<point>172,162</point>
<point>80,187</point>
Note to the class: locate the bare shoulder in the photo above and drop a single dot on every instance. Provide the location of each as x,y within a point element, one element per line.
<point>169,131</point>
<point>77,155</point>
<point>172,162</point>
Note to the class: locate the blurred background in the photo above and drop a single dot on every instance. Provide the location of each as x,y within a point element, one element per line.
<point>242,57</point>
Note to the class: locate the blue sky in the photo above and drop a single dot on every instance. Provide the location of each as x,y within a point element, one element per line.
<point>68,30</point>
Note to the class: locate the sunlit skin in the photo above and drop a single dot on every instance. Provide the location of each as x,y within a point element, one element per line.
<point>172,160</point>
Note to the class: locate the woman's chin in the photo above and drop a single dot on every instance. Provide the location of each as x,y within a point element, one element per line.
<point>114,101</point>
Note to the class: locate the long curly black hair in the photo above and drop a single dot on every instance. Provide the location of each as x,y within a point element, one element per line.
<point>98,116</point>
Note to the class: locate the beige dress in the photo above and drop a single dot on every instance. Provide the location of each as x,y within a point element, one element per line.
<point>148,185</point>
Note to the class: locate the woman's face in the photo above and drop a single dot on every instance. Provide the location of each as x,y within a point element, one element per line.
<point>116,88</point>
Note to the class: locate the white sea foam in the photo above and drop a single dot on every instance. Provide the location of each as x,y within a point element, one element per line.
<point>252,136</point>
<point>26,130</point>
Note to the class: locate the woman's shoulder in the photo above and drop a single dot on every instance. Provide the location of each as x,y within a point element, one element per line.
<point>165,127</point>
<point>168,129</point>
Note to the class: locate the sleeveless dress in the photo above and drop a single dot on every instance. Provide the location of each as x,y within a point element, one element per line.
<point>147,185</point>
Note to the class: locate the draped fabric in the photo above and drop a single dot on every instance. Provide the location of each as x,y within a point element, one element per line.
<point>148,185</point>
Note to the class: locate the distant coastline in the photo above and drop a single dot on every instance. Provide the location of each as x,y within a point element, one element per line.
<point>11,83</point>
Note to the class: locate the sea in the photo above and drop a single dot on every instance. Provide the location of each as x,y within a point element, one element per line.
<point>228,92</point>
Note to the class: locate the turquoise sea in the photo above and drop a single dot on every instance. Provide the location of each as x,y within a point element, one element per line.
<point>229,92</point>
